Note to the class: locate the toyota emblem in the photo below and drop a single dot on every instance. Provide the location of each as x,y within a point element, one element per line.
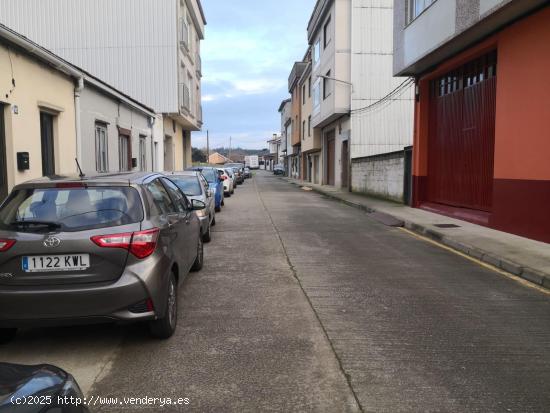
<point>52,242</point>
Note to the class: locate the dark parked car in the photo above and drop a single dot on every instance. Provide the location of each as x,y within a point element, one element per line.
<point>94,249</point>
<point>194,186</point>
<point>49,388</point>
<point>238,168</point>
<point>279,169</point>
<point>215,183</point>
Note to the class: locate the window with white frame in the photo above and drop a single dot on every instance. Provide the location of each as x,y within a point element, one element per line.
<point>191,92</point>
<point>326,33</point>
<point>142,153</point>
<point>317,53</point>
<point>101,148</point>
<point>184,33</point>
<point>416,7</point>
<point>309,125</point>
<point>327,85</point>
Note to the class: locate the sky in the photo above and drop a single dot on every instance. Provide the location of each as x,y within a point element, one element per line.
<point>247,55</point>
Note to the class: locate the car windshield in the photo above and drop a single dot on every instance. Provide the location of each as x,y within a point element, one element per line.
<point>189,185</point>
<point>70,209</point>
<point>210,175</point>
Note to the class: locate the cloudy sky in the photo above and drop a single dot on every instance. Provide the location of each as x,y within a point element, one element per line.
<point>247,56</point>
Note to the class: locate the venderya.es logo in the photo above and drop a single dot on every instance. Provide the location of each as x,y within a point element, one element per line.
<point>52,242</point>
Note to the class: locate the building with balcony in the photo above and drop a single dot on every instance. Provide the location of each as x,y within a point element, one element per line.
<point>271,159</point>
<point>481,114</point>
<point>295,154</point>
<point>329,37</point>
<point>311,137</point>
<point>285,153</point>
<point>150,52</point>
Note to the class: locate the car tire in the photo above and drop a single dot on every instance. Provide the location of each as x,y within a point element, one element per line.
<point>165,327</point>
<point>228,195</point>
<point>223,202</point>
<point>7,335</point>
<point>207,237</point>
<point>199,261</point>
<point>213,221</point>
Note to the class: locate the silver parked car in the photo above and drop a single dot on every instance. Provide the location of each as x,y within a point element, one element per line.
<point>194,186</point>
<point>94,249</point>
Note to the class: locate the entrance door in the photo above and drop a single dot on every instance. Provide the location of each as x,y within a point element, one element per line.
<point>331,149</point>
<point>3,166</point>
<point>47,144</point>
<point>462,136</point>
<point>345,164</point>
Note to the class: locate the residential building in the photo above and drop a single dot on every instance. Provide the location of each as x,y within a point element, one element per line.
<point>285,109</point>
<point>295,91</point>
<point>217,158</point>
<point>52,113</point>
<point>311,137</point>
<point>364,122</point>
<point>481,122</point>
<point>274,152</point>
<point>151,54</point>
<point>329,37</point>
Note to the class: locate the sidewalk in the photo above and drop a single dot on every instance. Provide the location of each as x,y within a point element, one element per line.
<point>520,256</point>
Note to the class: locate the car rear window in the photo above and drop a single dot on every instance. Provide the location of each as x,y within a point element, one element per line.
<point>189,185</point>
<point>70,209</point>
<point>210,175</point>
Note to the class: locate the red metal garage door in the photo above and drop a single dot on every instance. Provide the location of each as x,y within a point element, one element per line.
<point>462,136</point>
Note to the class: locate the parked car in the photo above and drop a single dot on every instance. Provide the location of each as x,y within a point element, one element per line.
<point>96,249</point>
<point>47,386</point>
<point>214,183</point>
<point>279,169</point>
<point>227,182</point>
<point>233,177</point>
<point>247,173</point>
<point>194,186</point>
<point>239,170</point>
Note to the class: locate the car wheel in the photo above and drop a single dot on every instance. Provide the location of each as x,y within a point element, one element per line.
<point>207,237</point>
<point>223,202</point>
<point>7,335</point>
<point>165,327</point>
<point>232,192</point>
<point>197,265</point>
<point>214,221</point>
<point>228,195</point>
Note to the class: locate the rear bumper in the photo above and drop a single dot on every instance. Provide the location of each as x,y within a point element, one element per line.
<point>81,304</point>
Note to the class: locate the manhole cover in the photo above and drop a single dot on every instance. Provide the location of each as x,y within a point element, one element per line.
<point>446,226</point>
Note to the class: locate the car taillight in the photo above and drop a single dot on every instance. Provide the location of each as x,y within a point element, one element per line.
<point>6,244</point>
<point>141,244</point>
<point>144,243</point>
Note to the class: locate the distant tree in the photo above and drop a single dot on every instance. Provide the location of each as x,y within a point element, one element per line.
<point>198,155</point>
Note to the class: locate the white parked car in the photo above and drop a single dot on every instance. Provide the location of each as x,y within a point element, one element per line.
<point>228,185</point>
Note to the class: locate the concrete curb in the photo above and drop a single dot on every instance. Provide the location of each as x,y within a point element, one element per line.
<point>529,274</point>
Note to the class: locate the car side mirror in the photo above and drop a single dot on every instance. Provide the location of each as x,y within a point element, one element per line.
<point>197,205</point>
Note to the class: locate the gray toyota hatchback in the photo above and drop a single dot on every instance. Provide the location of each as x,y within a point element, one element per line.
<point>94,249</point>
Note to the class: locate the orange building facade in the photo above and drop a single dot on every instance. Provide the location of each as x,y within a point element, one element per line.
<point>482,131</point>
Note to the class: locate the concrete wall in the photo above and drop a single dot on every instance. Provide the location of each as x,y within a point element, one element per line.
<point>97,107</point>
<point>381,175</point>
<point>38,87</point>
<point>180,151</point>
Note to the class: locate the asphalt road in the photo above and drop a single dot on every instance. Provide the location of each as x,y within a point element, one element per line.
<point>306,304</point>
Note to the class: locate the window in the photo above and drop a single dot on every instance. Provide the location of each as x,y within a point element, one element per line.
<point>189,185</point>
<point>317,53</point>
<point>316,95</point>
<point>309,125</point>
<point>74,209</point>
<point>101,151</point>
<point>326,33</point>
<point>309,86</point>
<point>184,33</point>
<point>303,130</point>
<point>191,92</point>
<point>327,85</point>
<point>303,94</point>
<point>416,7</point>
<point>124,153</point>
<point>180,201</point>
<point>142,153</point>
<point>161,203</point>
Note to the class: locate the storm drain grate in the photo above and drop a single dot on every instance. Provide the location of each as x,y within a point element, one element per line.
<point>447,226</point>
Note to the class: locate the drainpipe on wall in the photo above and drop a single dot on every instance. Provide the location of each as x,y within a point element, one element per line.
<point>152,120</point>
<point>78,90</point>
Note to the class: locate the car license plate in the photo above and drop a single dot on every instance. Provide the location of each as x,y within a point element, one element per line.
<point>52,263</point>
